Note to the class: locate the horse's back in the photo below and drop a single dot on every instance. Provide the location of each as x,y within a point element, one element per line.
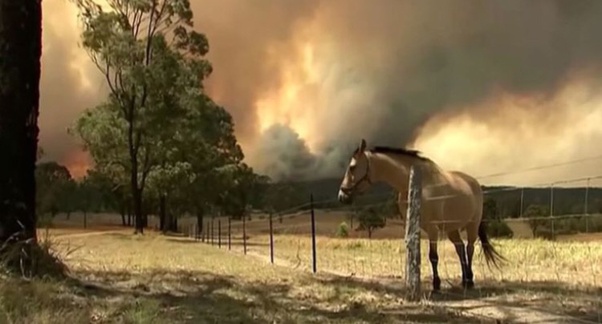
<point>464,201</point>
<point>475,187</point>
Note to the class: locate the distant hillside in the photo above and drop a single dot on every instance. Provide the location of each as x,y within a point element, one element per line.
<point>507,198</point>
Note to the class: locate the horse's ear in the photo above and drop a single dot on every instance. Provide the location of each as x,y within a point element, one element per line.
<point>362,147</point>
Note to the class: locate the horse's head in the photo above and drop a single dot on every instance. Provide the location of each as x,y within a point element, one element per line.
<point>357,177</point>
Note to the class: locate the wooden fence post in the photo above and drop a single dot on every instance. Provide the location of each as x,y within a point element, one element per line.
<point>313,235</point>
<point>412,235</point>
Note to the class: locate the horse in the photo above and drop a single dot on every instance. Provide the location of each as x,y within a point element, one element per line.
<point>450,201</point>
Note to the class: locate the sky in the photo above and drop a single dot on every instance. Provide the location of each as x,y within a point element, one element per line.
<point>485,87</point>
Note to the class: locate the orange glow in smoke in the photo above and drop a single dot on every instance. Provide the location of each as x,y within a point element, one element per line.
<point>78,162</point>
<point>290,104</point>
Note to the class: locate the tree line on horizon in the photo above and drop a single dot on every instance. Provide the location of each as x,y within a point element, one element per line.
<point>58,192</point>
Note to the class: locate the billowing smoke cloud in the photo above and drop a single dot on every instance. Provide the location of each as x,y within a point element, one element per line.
<point>305,80</point>
<point>68,85</point>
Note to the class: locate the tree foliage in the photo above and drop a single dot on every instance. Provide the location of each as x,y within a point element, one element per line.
<point>490,209</point>
<point>371,218</point>
<point>158,133</point>
<point>245,187</point>
<point>154,65</point>
<point>54,190</point>
<point>536,214</point>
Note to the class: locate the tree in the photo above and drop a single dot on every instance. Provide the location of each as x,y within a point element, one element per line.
<point>199,165</point>
<point>20,52</point>
<point>164,183</point>
<point>244,186</point>
<point>497,227</point>
<point>370,219</point>
<point>536,213</point>
<point>86,194</point>
<point>66,202</point>
<point>55,189</point>
<point>391,208</point>
<point>107,195</point>
<point>276,196</point>
<point>490,210</point>
<point>144,71</point>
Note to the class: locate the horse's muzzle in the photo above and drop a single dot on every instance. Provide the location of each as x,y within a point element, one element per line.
<point>345,197</point>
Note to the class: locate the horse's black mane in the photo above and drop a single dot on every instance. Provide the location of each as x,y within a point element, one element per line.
<point>398,150</point>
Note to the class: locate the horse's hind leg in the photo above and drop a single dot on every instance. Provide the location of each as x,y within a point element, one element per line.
<point>471,237</point>
<point>456,239</point>
<point>434,257</point>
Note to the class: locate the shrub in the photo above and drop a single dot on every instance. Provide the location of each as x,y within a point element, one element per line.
<point>499,228</point>
<point>342,230</point>
<point>370,219</point>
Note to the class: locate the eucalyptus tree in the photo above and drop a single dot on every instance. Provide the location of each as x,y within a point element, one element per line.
<point>150,57</point>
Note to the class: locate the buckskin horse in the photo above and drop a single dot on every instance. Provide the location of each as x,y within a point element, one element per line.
<point>450,201</point>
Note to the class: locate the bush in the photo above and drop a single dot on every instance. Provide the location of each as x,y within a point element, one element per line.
<point>499,228</point>
<point>342,230</point>
<point>370,219</point>
<point>33,259</point>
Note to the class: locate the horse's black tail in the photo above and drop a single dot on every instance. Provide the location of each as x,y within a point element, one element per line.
<point>491,255</point>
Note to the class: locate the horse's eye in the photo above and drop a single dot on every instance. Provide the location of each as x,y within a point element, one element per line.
<point>351,168</point>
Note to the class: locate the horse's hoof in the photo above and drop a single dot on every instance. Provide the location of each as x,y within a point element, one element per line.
<point>468,284</point>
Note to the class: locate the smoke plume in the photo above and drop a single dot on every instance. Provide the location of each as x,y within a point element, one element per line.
<point>481,86</point>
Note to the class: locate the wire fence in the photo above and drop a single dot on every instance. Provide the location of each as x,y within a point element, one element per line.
<point>551,238</point>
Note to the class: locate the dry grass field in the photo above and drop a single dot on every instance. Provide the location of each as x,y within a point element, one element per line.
<point>122,278</point>
<point>543,281</point>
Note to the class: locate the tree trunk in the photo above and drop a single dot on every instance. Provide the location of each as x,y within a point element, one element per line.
<point>162,213</point>
<point>145,219</point>
<point>122,212</point>
<point>135,188</point>
<point>168,222</point>
<point>138,219</point>
<point>20,52</point>
<point>129,212</point>
<point>200,212</point>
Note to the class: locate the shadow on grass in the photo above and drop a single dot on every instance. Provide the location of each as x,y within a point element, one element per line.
<point>201,297</point>
<point>538,296</point>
